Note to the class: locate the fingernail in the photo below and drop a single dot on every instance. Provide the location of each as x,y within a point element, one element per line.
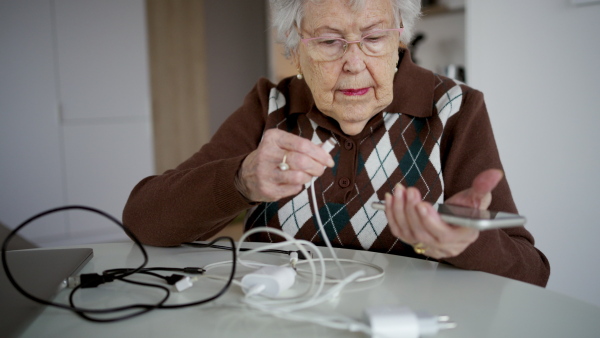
<point>422,210</point>
<point>412,194</point>
<point>388,198</point>
<point>331,163</point>
<point>398,190</point>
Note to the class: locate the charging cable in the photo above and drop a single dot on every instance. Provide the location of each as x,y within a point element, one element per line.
<point>263,288</point>
<point>180,282</point>
<point>299,254</point>
<point>293,259</point>
<point>327,146</point>
<point>380,272</point>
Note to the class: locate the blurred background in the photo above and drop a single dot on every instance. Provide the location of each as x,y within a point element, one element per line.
<point>96,95</point>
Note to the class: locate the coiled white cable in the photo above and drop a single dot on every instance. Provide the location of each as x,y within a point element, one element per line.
<point>315,281</point>
<point>330,280</point>
<point>315,293</point>
<point>288,307</point>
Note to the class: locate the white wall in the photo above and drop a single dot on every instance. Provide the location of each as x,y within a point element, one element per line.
<point>537,62</point>
<point>30,150</point>
<point>75,124</point>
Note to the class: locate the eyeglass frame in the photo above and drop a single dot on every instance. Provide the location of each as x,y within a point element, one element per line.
<point>348,43</point>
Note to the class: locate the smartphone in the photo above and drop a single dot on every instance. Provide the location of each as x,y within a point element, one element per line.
<point>474,218</point>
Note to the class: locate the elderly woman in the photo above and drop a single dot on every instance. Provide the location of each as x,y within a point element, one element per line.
<point>403,134</point>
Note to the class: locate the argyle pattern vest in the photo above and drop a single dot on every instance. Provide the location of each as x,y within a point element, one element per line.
<point>399,149</point>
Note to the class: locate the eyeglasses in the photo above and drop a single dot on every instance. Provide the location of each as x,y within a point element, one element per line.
<point>327,48</point>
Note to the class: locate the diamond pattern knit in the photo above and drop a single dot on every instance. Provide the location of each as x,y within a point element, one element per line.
<point>398,148</point>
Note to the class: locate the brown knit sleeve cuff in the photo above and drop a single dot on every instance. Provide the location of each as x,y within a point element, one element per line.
<point>227,195</point>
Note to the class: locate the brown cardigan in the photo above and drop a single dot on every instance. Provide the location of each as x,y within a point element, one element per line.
<point>435,135</point>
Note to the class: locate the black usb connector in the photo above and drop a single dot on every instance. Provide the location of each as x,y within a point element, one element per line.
<point>174,278</point>
<point>194,270</point>
<point>88,280</point>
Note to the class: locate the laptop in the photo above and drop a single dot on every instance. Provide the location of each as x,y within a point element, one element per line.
<point>41,272</point>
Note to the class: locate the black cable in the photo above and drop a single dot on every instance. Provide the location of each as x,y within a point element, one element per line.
<point>143,307</point>
<point>223,290</point>
<point>92,280</point>
<point>210,245</point>
<point>194,270</point>
<point>58,305</point>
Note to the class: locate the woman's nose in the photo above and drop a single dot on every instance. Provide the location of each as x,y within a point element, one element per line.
<point>354,59</point>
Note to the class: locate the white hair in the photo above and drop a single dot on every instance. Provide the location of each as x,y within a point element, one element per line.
<point>287,16</point>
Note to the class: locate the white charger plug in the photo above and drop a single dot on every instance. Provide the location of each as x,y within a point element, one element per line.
<point>395,321</point>
<point>269,280</point>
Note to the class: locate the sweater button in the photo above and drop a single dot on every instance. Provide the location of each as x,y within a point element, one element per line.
<point>344,182</point>
<point>348,145</point>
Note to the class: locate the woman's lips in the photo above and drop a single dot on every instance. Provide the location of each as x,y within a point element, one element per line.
<point>355,92</point>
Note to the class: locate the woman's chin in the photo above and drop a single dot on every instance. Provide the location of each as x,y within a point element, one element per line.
<point>352,128</point>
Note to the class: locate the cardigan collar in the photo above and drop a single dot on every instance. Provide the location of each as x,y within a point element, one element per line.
<point>414,88</point>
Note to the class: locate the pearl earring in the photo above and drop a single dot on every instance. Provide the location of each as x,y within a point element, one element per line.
<point>396,70</point>
<point>299,76</point>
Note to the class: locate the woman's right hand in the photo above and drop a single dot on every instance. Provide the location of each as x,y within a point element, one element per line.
<point>261,180</point>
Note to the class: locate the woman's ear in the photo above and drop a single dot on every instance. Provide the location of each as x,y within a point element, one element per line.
<point>295,59</point>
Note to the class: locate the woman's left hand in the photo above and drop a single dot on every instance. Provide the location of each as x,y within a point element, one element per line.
<point>417,222</point>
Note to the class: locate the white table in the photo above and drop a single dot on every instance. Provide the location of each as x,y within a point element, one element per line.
<point>483,305</point>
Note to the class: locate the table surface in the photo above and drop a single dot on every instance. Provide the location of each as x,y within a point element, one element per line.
<point>483,305</point>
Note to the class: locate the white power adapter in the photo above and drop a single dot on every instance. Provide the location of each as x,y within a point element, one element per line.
<point>394,321</point>
<point>271,280</point>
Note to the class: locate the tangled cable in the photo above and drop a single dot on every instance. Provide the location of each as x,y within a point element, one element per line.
<point>93,279</point>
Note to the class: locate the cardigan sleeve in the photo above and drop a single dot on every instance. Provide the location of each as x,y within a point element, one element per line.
<point>198,198</point>
<point>468,148</point>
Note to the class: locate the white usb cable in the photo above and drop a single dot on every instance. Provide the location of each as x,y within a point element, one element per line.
<point>327,146</point>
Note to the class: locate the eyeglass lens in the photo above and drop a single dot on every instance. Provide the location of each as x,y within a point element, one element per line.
<point>374,44</point>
